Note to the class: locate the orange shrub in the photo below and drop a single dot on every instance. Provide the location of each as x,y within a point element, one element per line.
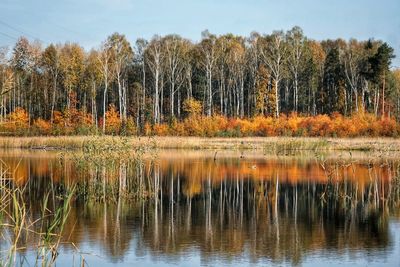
<point>320,125</point>
<point>58,117</point>
<point>359,125</point>
<point>247,127</point>
<point>265,126</point>
<point>83,123</point>
<point>20,117</point>
<point>178,128</point>
<point>161,129</point>
<point>281,126</point>
<point>113,123</point>
<point>192,107</point>
<point>293,123</point>
<point>68,117</point>
<point>17,122</point>
<point>58,127</point>
<point>42,127</point>
<point>388,127</point>
<point>147,131</point>
<point>217,126</point>
<point>73,121</point>
<point>193,126</point>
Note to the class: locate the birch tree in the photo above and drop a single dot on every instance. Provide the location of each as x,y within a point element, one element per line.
<point>274,54</point>
<point>154,58</point>
<point>93,78</point>
<point>296,46</point>
<point>51,65</point>
<point>208,50</point>
<point>6,80</point>
<point>353,58</point>
<point>105,61</point>
<point>236,66</point>
<point>141,45</point>
<point>252,64</point>
<point>122,56</point>
<point>174,57</point>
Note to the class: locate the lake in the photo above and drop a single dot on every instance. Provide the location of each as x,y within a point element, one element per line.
<point>204,208</point>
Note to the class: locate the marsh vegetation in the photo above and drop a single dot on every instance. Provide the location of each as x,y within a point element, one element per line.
<point>270,144</point>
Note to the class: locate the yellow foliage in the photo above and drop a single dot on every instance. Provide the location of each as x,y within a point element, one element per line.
<point>147,129</point>
<point>192,107</point>
<point>73,121</point>
<point>113,122</point>
<point>161,129</point>
<point>17,122</point>
<point>42,127</point>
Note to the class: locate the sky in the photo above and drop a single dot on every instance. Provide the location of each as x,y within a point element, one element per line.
<point>89,22</point>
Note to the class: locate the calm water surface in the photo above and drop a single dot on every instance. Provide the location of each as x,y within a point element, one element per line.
<point>229,208</point>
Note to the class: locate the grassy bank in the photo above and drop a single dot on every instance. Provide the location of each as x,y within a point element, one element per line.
<point>264,143</point>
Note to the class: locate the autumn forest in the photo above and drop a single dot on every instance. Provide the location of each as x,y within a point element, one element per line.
<point>281,83</point>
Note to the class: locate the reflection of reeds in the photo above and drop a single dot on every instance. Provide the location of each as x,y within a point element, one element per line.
<point>14,218</point>
<point>52,226</point>
<point>107,166</point>
<point>17,224</point>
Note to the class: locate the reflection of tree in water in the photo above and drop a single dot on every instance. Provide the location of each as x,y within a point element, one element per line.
<point>240,216</point>
<point>227,209</point>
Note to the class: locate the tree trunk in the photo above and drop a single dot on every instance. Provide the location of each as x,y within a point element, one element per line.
<point>179,104</point>
<point>156,96</point>
<point>120,96</point>
<point>53,103</point>
<point>124,102</point>
<point>94,110</point>
<point>161,111</point>
<point>296,92</point>
<point>172,100</point>
<point>241,96</point>
<point>209,106</point>
<point>277,97</point>
<point>356,96</point>
<point>104,106</point>
<point>383,96</point>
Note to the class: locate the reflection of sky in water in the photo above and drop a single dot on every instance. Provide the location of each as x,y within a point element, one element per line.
<point>221,235</point>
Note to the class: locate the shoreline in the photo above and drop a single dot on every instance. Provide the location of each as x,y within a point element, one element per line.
<point>232,143</point>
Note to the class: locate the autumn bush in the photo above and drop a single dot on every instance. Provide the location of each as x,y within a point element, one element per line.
<point>193,125</point>
<point>161,130</point>
<point>192,107</point>
<point>71,122</point>
<point>335,125</point>
<point>17,123</point>
<point>265,126</point>
<point>147,131</point>
<point>129,127</point>
<point>82,123</point>
<point>113,122</point>
<point>74,122</point>
<point>58,126</point>
<point>388,128</point>
<point>178,128</point>
<point>41,127</point>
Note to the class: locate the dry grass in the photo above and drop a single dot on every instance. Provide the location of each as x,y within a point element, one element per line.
<point>262,143</point>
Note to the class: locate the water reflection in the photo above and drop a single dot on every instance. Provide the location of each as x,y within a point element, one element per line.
<point>183,205</point>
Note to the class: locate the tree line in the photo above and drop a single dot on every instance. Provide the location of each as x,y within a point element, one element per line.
<point>169,77</point>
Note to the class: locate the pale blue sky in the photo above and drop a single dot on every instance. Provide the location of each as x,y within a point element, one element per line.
<point>90,21</point>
